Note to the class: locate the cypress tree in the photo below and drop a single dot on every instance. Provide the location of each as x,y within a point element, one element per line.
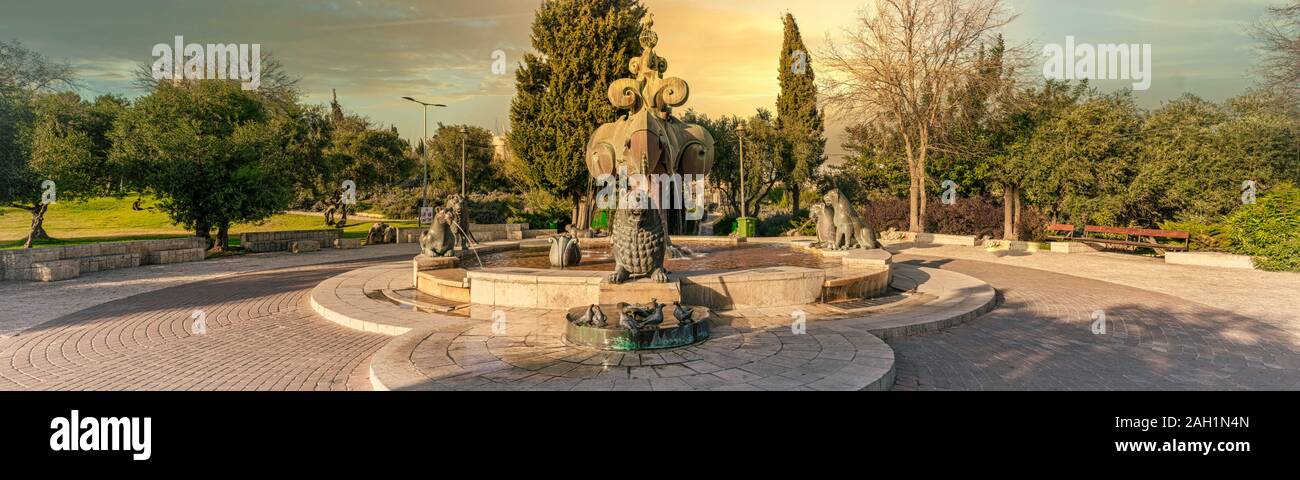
<point>798,117</point>
<point>581,46</point>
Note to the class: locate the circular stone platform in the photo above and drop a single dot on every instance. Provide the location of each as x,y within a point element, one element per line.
<point>526,351</point>
<point>836,347</point>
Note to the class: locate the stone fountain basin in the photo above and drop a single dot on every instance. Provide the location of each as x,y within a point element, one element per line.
<point>862,274</point>
<point>669,334</point>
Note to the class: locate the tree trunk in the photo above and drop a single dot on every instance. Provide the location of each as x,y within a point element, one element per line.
<point>37,230</point>
<point>576,213</point>
<point>223,237</point>
<point>913,203</point>
<point>924,194</point>
<point>1015,220</point>
<point>1008,213</point>
<point>794,199</point>
<point>204,229</point>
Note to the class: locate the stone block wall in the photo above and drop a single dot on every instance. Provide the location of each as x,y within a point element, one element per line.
<point>259,242</point>
<point>61,263</point>
<point>498,231</point>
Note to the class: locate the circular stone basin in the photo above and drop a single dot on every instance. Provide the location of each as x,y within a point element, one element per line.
<point>612,336</point>
<point>693,258</point>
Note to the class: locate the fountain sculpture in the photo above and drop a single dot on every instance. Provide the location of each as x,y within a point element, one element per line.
<point>649,140</point>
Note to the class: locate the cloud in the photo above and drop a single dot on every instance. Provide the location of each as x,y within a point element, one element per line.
<point>375,51</point>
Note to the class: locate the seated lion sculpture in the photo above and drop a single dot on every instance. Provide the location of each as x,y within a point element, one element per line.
<point>850,231</point>
<point>438,240</point>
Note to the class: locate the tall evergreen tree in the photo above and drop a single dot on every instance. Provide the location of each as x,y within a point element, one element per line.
<point>581,46</point>
<point>797,114</point>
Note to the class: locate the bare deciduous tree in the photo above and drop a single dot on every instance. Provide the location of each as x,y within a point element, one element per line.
<point>901,67</point>
<point>1279,36</point>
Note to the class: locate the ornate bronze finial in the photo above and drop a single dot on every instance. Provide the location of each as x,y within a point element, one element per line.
<point>648,87</point>
<point>648,37</point>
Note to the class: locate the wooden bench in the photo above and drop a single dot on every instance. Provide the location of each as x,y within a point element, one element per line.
<point>1136,233</point>
<point>1057,228</point>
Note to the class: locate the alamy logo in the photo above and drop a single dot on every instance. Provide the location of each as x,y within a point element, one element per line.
<point>639,191</point>
<point>1099,62</point>
<point>216,62</point>
<point>92,434</point>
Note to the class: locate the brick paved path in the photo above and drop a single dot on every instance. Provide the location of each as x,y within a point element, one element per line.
<point>1040,338</point>
<point>261,335</point>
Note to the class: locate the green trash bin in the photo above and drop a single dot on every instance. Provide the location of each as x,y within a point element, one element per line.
<point>600,220</point>
<point>746,227</point>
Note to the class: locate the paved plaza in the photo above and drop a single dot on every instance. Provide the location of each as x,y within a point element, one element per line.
<point>134,330</point>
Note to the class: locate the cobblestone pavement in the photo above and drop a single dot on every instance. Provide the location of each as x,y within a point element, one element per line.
<point>1267,296</point>
<point>27,304</point>
<point>1041,338</point>
<point>261,334</point>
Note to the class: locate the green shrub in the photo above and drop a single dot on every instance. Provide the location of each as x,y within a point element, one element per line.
<point>1206,237</point>
<point>725,226</point>
<point>540,209</point>
<point>397,202</point>
<point>493,208</point>
<point>777,224</point>
<point>1269,230</point>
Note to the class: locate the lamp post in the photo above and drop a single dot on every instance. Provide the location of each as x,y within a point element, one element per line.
<point>740,132</point>
<point>424,196</point>
<point>745,226</point>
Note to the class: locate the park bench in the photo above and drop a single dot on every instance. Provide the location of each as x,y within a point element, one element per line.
<point>1133,237</point>
<point>1057,228</point>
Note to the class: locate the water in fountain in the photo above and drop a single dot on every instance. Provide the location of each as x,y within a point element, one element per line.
<point>677,251</point>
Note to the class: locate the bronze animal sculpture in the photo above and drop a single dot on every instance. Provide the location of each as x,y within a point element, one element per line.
<point>850,230</point>
<point>825,216</point>
<point>376,234</point>
<point>458,209</point>
<point>438,240</point>
<point>682,313</point>
<point>598,318</point>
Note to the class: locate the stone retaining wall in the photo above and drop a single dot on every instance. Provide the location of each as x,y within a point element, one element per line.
<point>258,242</point>
<point>498,231</point>
<point>482,232</point>
<point>61,263</point>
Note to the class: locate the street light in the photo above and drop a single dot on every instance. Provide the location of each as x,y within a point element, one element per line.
<point>740,132</point>
<point>424,197</point>
<point>745,226</point>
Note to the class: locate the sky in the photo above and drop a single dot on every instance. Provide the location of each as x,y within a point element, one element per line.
<point>376,51</point>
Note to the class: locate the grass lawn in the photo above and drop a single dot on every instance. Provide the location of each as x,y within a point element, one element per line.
<point>112,220</point>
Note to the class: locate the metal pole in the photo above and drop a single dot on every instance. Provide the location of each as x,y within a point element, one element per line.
<point>742,174</point>
<point>463,133</point>
<point>424,200</point>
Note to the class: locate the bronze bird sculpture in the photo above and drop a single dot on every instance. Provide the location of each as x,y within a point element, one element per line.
<point>683,314</point>
<point>585,319</point>
<point>656,316</point>
<point>598,318</point>
<point>626,318</point>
